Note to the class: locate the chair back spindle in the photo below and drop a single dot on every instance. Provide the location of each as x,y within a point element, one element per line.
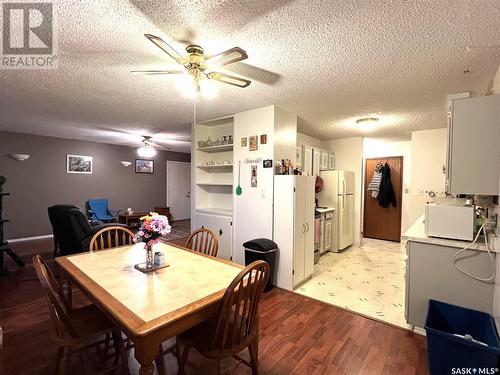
<point>113,236</point>
<point>204,241</point>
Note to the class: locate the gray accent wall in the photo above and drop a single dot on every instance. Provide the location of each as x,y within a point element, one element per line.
<point>42,181</point>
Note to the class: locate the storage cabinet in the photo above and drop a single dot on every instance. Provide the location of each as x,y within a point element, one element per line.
<point>294,229</point>
<point>316,162</point>
<point>307,161</point>
<point>431,274</point>
<point>473,153</point>
<point>331,161</point>
<point>323,157</point>
<point>222,227</point>
<point>328,235</point>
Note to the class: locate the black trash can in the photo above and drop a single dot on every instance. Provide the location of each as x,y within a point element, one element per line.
<point>262,249</point>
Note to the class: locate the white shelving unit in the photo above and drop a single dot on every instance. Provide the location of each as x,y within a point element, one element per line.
<point>212,174</point>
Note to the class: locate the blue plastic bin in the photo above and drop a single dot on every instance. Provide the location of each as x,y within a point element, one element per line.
<point>448,352</point>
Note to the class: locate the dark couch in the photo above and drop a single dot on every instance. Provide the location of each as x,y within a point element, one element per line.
<point>72,230</point>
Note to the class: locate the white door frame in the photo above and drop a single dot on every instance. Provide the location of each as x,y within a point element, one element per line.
<point>166,181</point>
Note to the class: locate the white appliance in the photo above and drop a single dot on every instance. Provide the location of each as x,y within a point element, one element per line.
<point>449,221</point>
<point>338,192</point>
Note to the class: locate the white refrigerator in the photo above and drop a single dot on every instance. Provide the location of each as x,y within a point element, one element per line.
<point>338,192</point>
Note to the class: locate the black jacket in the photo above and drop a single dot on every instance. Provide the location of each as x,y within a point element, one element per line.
<point>386,195</point>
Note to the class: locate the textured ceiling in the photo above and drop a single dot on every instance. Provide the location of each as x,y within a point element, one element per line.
<point>328,61</point>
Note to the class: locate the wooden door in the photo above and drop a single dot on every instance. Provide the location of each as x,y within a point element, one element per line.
<point>383,223</point>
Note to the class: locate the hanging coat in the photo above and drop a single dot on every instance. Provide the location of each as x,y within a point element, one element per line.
<point>386,195</point>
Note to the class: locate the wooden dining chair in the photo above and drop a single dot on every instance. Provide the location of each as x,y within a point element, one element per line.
<point>235,327</point>
<point>113,236</point>
<point>74,330</point>
<point>204,241</point>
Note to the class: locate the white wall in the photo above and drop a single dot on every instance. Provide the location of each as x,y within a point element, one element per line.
<point>349,157</point>
<point>428,156</point>
<point>304,139</point>
<point>496,82</point>
<point>253,209</point>
<point>379,148</point>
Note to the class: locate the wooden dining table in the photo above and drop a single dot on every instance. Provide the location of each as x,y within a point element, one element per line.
<point>151,308</point>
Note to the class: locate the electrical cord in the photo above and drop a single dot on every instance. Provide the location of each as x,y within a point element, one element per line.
<point>492,277</point>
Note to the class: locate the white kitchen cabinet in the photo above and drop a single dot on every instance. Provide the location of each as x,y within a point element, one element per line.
<point>431,274</point>
<point>473,153</point>
<point>294,229</point>
<point>222,227</point>
<point>323,160</point>
<point>298,157</point>
<point>331,161</point>
<point>316,162</point>
<point>307,161</point>
<point>328,235</point>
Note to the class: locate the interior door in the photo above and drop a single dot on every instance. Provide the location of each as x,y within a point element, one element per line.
<point>380,222</point>
<point>179,189</point>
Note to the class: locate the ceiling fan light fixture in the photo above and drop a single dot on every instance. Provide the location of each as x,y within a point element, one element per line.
<point>367,121</point>
<point>146,151</point>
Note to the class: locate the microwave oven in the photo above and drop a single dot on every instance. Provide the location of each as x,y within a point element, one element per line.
<point>453,222</point>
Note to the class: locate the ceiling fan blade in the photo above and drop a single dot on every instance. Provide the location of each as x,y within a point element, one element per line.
<point>165,47</point>
<point>226,78</point>
<point>229,57</point>
<point>254,73</point>
<point>157,72</point>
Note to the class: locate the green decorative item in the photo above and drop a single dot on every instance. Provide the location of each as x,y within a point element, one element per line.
<point>239,190</point>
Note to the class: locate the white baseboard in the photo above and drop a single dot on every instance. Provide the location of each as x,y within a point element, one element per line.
<point>14,240</point>
<point>419,331</point>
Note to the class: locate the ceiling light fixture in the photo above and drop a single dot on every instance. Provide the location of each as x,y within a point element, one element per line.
<point>367,121</point>
<point>146,151</point>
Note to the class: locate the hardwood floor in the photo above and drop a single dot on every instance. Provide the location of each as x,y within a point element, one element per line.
<point>298,336</point>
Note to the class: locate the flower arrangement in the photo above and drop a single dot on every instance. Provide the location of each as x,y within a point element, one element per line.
<point>152,228</point>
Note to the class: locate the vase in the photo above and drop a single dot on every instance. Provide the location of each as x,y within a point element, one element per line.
<point>149,256</point>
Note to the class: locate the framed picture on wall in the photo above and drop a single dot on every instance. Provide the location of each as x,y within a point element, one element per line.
<point>144,166</point>
<point>79,164</point>
<point>253,143</point>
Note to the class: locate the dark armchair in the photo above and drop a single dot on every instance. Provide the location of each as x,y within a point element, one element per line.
<point>72,230</point>
<point>98,209</point>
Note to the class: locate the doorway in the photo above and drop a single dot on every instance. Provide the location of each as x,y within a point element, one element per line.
<point>179,189</point>
<point>383,223</point>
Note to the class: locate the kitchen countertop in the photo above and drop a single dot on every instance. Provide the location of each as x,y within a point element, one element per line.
<point>323,210</point>
<point>416,233</point>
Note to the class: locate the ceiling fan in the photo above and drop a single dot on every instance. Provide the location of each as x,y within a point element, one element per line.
<point>198,65</point>
<point>147,150</point>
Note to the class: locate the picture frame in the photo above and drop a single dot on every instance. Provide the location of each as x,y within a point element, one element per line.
<point>79,164</point>
<point>253,143</point>
<point>263,139</point>
<point>244,141</point>
<point>144,166</point>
